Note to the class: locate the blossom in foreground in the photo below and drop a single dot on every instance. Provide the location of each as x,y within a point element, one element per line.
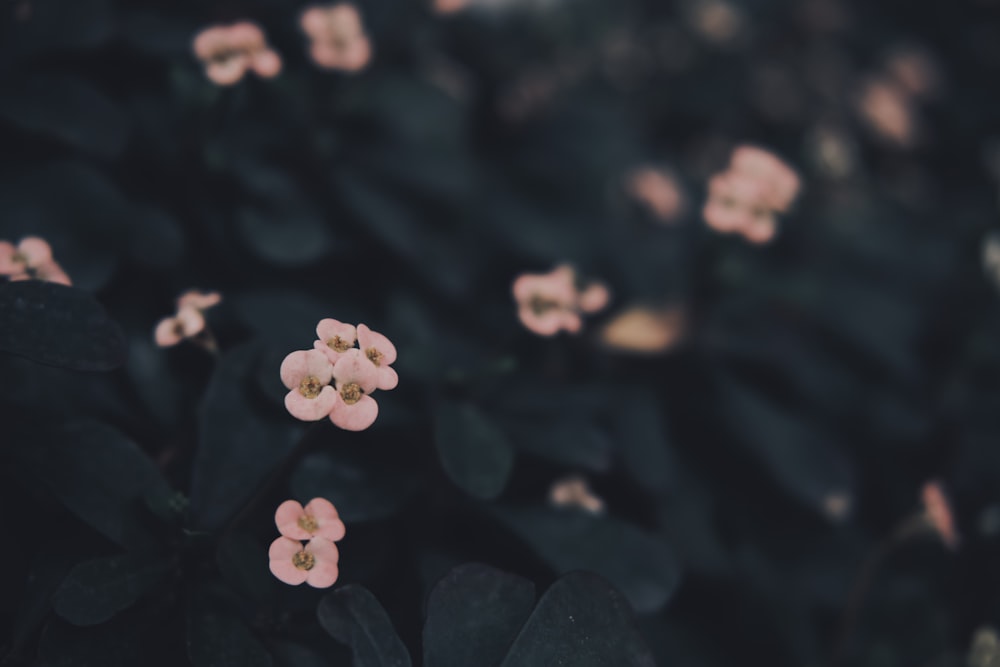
<point>334,338</point>
<point>937,511</point>
<point>228,52</point>
<point>307,374</point>
<point>381,352</point>
<point>338,37</point>
<point>315,563</point>
<point>31,259</point>
<point>319,518</point>
<point>551,302</point>
<point>355,377</point>
<point>188,323</point>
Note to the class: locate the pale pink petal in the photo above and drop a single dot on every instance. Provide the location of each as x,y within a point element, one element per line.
<point>37,251</point>
<point>311,409</point>
<point>191,320</point>
<point>325,572</point>
<point>199,300</point>
<point>53,273</point>
<point>302,363</point>
<point>228,71</point>
<point>368,338</point>
<point>547,323</point>
<point>330,525</point>
<point>168,332</point>
<point>355,417</point>
<point>594,298</point>
<point>20,276</point>
<point>571,322</point>
<point>8,266</point>
<point>526,286</point>
<point>286,518</point>
<point>330,354</point>
<point>325,54</point>
<point>280,554</point>
<point>356,55</point>
<point>354,366</point>
<point>387,378</point>
<point>314,22</point>
<point>266,63</point>
<point>209,42</point>
<point>329,329</point>
<point>760,229</point>
<point>245,35</point>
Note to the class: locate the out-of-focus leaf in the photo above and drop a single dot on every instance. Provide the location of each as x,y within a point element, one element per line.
<point>285,236</point>
<point>58,326</point>
<point>99,475</point>
<point>98,589</point>
<point>288,319</point>
<point>363,488</point>
<point>642,438</point>
<point>561,438</point>
<point>641,565</point>
<point>68,109</point>
<point>153,33</point>
<point>156,239</point>
<point>241,559</point>
<point>580,621</point>
<point>353,616</point>
<point>216,638</point>
<point>473,615</point>
<point>474,451</point>
<point>239,443</point>
<point>52,25</point>
<point>124,640</point>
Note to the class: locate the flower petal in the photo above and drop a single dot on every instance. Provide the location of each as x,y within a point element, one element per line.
<point>227,72</point>
<point>302,363</point>
<point>354,366</point>
<point>311,409</point>
<point>330,525</point>
<point>325,572</point>
<point>280,554</point>
<point>199,300</point>
<point>36,250</point>
<point>8,266</point>
<point>167,332</point>
<point>286,518</point>
<point>545,324</point>
<point>191,320</point>
<point>594,298</point>
<point>355,417</point>
<point>266,63</point>
<point>330,328</point>
<point>387,378</point>
<point>368,338</point>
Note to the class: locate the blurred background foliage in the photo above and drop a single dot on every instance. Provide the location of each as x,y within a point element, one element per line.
<point>759,463</point>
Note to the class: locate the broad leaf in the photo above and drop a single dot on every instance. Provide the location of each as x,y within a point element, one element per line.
<point>98,589</point>
<point>353,616</point>
<point>474,452</point>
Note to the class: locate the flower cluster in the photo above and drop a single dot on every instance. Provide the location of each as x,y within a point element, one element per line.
<point>189,321</point>
<point>228,52</point>
<point>338,38</point>
<point>315,562</point>
<point>552,302</point>
<point>354,372</point>
<point>30,259</point>
<point>746,198</point>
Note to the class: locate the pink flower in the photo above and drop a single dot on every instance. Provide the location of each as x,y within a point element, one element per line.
<point>574,492</point>
<point>779,182</point>
<point>335,338</point>
<point>937,511</point>
<point>318,518</point>
<point>356,377</point>
<point>547,302</point>
<point>594,298</point>
<point>745,198</point>
<point>658,191</point>
<point>314,564</point>
<point>199,300</point>
<point>30,260</point>
<point>731,200</point>
<point>229,52</point>
<point>307,375</point>
<point>187,323</point>
<point>887,110</point>
<point>381,352</point>
<point>338,37</point>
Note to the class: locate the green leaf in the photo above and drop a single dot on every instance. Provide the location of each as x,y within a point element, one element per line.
<point>99,475</point>
<point>285,235</point>
<point>219,639</point>
<point>353,616</point>
<point>583,622</point>
<point>242,560</point>
<point>98,589</point>
<point>240,443</point>
<point>59,326</point>
<point>474,452</point>
<point>473,615</point>
<point>572,441</point>
<point>642,437</point>
<point>639,564</point>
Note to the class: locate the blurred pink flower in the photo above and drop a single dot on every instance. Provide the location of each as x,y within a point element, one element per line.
<point>915,70</point>
<point>31,259</point>
<point>200,300</point>
<point>574,492</point>
<point>229,52</point>
<point>356,377</point>
<point>338,37</point>
<point>335,338</point>
<point>780,183</point>
<point>307,375</point>
<point>551,302</point>
<point>319,518</point>
<point>658,190</point>
<point>886,108</point>
<point>315,564</point>
<point>187,323</point>
<point>381,352</point>
<point>937,511</point>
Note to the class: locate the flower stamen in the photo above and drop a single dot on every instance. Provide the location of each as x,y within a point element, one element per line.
<point>304,560</point>
<point>338,344</point>
<point>310,387</point>
<point>374,356</point>
<point>308,523</point>
<point>351,393</point>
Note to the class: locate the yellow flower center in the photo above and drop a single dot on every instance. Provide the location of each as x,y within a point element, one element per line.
<point>338,344</point>
<point>374,356</point>
<point>304,560</point>
<point>351,393</point>
<point>308,523</point>
<point>310,387</point>
<point>540,305</point>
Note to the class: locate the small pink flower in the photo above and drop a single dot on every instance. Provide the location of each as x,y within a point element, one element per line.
<point>381,352</point>
<point>594,298</point>
<point>31,259</point>
<point>314,563</point>
<point>547,302</point>
<point>307,374</point>
<point>574,492</point>
<point>335,338</point>
<point>199,300</point>
<point>779,182</point>
<point>187,323</point>
<point>338,37</point>
<point>318,518</point>
<point>731,198</point>
<point>938,513</point>
<point>355,377</point>
<point>658,191</point>
<point>887,110</point>
<point>229,52</point>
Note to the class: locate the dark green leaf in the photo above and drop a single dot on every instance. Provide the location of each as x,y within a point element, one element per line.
<point>641,565</point>
<point>218,639</point>
<point>353,616</point>
<point>474,452</point>
<point>239,443</point>
<point>642,437</point>
<point>473,615</point>
<point>289,235</point>
<point>59,326</point>
<point>573,441</point>
<point>242,561</point>
<point>98,589</point>
<point>55,25</point>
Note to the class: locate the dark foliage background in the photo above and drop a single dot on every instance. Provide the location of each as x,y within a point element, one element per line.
<point>749,473</point>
